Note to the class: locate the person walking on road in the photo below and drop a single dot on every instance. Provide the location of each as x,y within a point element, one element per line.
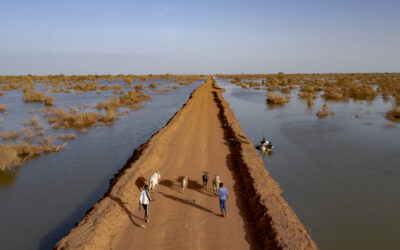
<point>223,195</point>
<point>144,201</point>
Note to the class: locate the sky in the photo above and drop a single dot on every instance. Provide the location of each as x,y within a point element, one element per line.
<point>198,37</point>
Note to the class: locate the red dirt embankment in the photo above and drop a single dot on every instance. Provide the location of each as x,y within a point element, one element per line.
<point>203,136</point>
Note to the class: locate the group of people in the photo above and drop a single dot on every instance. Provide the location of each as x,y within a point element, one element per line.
<point>145,199</point>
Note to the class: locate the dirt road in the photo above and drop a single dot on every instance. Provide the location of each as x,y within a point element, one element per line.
<point>202,136</point>
<point>191,219</point>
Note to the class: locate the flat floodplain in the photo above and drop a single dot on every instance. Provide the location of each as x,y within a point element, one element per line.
<point>336,149</point>
<point>49,193</point>
<point>340,172</point>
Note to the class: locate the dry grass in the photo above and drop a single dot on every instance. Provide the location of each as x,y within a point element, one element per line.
<point>275,99</point>
<point>39,133</point>
<point>108,117</point>
<point>136,106</point>
<point>2,93</point>
<point>153,85</point>
<point>112,103</point>
<point>133,97</point>
<point>47,141</point>
<point>310,102</point>
<point>12,135</point>
<point>253,84</point>
<point>393,114</point>
<point>32,96</point>
<point>34,123</point>
<point>3,108</point>
<point>14,154</point>
<point>1,119</point>
<point>323,112</point>
<point>55,90</point>
<point>163,90</point>
<point>82,86</point>
<point>66,136</point>
<point>111,106</point>
<point>72,119</point>
<point>139,86</point>
<point>187,80</point>
<point>309,96</point>
<point>359,92</point>
<point>337,87</point>
<point>28,134</point>
<point>82,83</point>
<point>286,90</point>
<point>48,100</point>
<point>333,93</point>
<point>8,157</point>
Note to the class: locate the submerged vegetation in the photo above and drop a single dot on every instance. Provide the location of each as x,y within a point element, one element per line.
<point>324,111</point>
<point>128,93</point>
<point>58,118</point>
<point>393,114</point>
<point>15,154</point>
<point>3,108</point>
<point>275,99</point>
<point>66,136</point>
<point>48,100</point>
<point>330,87</point>
<point>11,135</point>
<point>32,96</point>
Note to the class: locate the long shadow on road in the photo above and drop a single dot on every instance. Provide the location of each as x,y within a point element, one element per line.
<point>187,202</point>
<point>127,211</point>
<point>193,185</point>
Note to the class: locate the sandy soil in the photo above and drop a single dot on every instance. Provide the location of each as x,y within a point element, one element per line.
<point>198,138</point>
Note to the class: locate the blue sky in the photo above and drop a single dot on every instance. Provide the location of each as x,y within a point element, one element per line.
<point>142,37</point>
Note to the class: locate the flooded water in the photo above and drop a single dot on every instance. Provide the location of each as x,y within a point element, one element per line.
<point>42,200</point>
<point>341,175</point>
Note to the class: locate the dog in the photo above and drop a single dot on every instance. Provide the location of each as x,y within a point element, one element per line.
<point>216,182</point>
<point>185,182</point>
<point>205,179</point>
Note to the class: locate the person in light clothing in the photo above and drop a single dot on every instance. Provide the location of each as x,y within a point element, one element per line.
<point>144,201</point>
<point>223,195</point>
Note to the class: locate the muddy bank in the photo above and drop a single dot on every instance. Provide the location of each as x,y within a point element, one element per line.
<point>270,221</point>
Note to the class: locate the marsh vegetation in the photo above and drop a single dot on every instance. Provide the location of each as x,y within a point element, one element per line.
<point>116,95</point>
<point>330,87</point>
<point>343,144</point>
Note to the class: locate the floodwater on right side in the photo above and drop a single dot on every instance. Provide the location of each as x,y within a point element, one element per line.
<point>340,174</point>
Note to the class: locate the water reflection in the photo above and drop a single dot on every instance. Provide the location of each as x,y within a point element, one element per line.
<point>49,194</point>
<point>267,153</point>
<point>7,178</point>
<point>340,174</point>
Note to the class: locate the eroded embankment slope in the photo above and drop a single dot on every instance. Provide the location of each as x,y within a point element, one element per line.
<point>271,220</point>
<point>197,138</point>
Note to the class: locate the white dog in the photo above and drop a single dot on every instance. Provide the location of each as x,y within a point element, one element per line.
<point>185,183</point>
<point>154,180</point>
<point>216,182</point>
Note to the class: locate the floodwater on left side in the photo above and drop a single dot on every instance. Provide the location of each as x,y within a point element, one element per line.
<point>66,157</point>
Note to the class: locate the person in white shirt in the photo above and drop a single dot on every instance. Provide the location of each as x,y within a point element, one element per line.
<point>144,201</point>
